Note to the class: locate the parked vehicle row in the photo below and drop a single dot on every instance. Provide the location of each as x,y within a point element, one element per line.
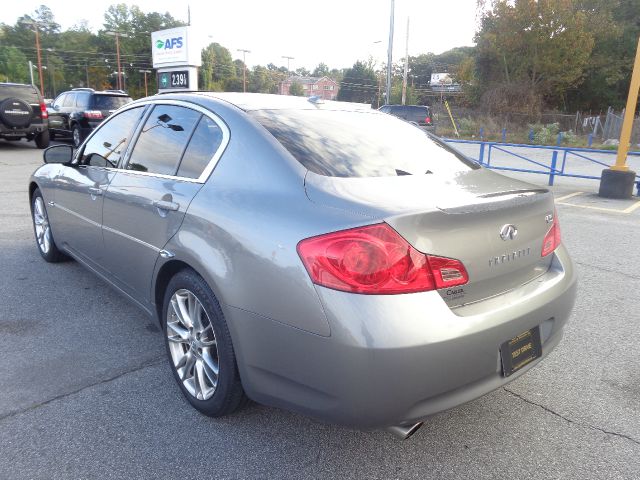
<point>72,115</point>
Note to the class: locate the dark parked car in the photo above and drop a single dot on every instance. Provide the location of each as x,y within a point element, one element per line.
<point>23,114</point>
<point>311,255</point>
<point>77,112</point>
<point>417,114</point>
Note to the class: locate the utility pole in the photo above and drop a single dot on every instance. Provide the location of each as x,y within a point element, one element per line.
<point>406,68</point>
<point>390,53</point>
<point>35,29</point>
<point>244,70</point>
<point>146,93</point>
<point>119,83</point>
<point>86,71</point>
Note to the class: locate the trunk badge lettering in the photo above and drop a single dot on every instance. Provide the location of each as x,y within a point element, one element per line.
<point>509,257</point>
<point>508,232</point>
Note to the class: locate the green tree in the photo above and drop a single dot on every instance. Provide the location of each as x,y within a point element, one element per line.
<point>359,84</point>
<point>296,89</point>
<point>532,50</point>
<point>14,66</point>
<point>321,70</point>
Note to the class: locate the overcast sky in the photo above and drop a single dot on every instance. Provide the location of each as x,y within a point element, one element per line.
<point>336,32</point>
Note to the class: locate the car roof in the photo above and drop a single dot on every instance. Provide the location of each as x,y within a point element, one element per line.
<point>8,84</point>
<point>266,101</point>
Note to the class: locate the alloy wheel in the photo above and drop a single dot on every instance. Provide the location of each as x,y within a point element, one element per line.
<point>192,344</point>
<point>41,222</point>
<point>76,137</point>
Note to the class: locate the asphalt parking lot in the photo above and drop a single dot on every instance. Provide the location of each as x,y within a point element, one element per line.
<point>85,390</point>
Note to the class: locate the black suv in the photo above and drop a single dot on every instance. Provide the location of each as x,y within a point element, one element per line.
<point>76,112</point>
<point>23,114</point>
<point>418,114</point>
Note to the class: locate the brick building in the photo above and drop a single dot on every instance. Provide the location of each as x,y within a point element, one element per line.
<point>324,87</point>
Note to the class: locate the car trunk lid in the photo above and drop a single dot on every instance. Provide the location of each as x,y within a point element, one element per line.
<point>493,224</point>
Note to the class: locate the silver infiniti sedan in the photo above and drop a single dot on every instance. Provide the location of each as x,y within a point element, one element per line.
<point>316,256</point>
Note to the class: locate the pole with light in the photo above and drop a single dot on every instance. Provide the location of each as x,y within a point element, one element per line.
<point>244,69</point>
<point>390,52</point>
<point>146,93</point>
<point>118,35</point>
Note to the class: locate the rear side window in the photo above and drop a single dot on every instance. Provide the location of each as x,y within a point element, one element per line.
<point>203,145</point>
<point>106,146</point>
<point>360,144</point>
<point>163,139</point>
<point>109,102</point>
<point>82,100</point>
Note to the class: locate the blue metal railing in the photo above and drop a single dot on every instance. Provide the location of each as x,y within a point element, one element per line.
<point>552,170</point>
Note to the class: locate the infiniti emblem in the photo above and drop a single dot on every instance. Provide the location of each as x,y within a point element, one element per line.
<point>508,232</point>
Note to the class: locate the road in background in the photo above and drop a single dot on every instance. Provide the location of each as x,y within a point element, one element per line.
<point>86,391</point>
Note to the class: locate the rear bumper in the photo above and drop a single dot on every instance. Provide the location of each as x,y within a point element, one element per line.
<point>393,360</point>
<point>33,129</point>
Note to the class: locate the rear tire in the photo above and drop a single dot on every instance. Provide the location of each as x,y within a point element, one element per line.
<point>42,230</point>
<point>199,346</point>
<point>77,136</point>
<point>42,139</point>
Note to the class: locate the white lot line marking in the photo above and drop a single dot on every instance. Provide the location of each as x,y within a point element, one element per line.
<point>574,194</point>
<point>626,211</point>
<point>633,207</point>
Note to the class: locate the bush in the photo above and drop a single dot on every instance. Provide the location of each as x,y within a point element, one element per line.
<point>545,134</point>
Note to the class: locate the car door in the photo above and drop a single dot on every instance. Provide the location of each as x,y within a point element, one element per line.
<point>146,202</point>
<point>80,188</point>
<point>55,113</point>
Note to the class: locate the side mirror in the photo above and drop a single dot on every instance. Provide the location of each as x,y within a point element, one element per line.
<point>58,154</point>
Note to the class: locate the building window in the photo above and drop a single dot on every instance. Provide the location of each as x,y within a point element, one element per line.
<point>304,87</point>
<point>328,87</point>
<point>314,87</point>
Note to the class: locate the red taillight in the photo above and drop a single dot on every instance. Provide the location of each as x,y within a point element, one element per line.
<point>376,260</point>
<point>552,238</point>
<point>94,114</point>
<point>427,120</point>
<point>43,110</point>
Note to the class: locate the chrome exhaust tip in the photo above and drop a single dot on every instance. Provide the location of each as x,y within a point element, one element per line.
<point>403,432</point>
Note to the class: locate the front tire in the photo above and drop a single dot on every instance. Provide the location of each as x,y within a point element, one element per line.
<point>199,346</point>
<point>42,230</point>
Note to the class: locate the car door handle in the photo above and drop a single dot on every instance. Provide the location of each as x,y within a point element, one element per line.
<point>164,205</point>
<point>95,191</point>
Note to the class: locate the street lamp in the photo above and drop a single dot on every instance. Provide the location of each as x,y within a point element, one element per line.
<point>244,71</point>
<point>118,35</point>
<point>288,59</point>
<point>146,94</point>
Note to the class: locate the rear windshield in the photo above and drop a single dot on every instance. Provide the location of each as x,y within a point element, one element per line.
<point>416,114</point>
<point>109,102</point>
<point>26,93</point>
<point>360,144</point>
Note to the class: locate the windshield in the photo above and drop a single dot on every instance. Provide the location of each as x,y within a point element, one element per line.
<point>360,144</point>
<point>109,102</point>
